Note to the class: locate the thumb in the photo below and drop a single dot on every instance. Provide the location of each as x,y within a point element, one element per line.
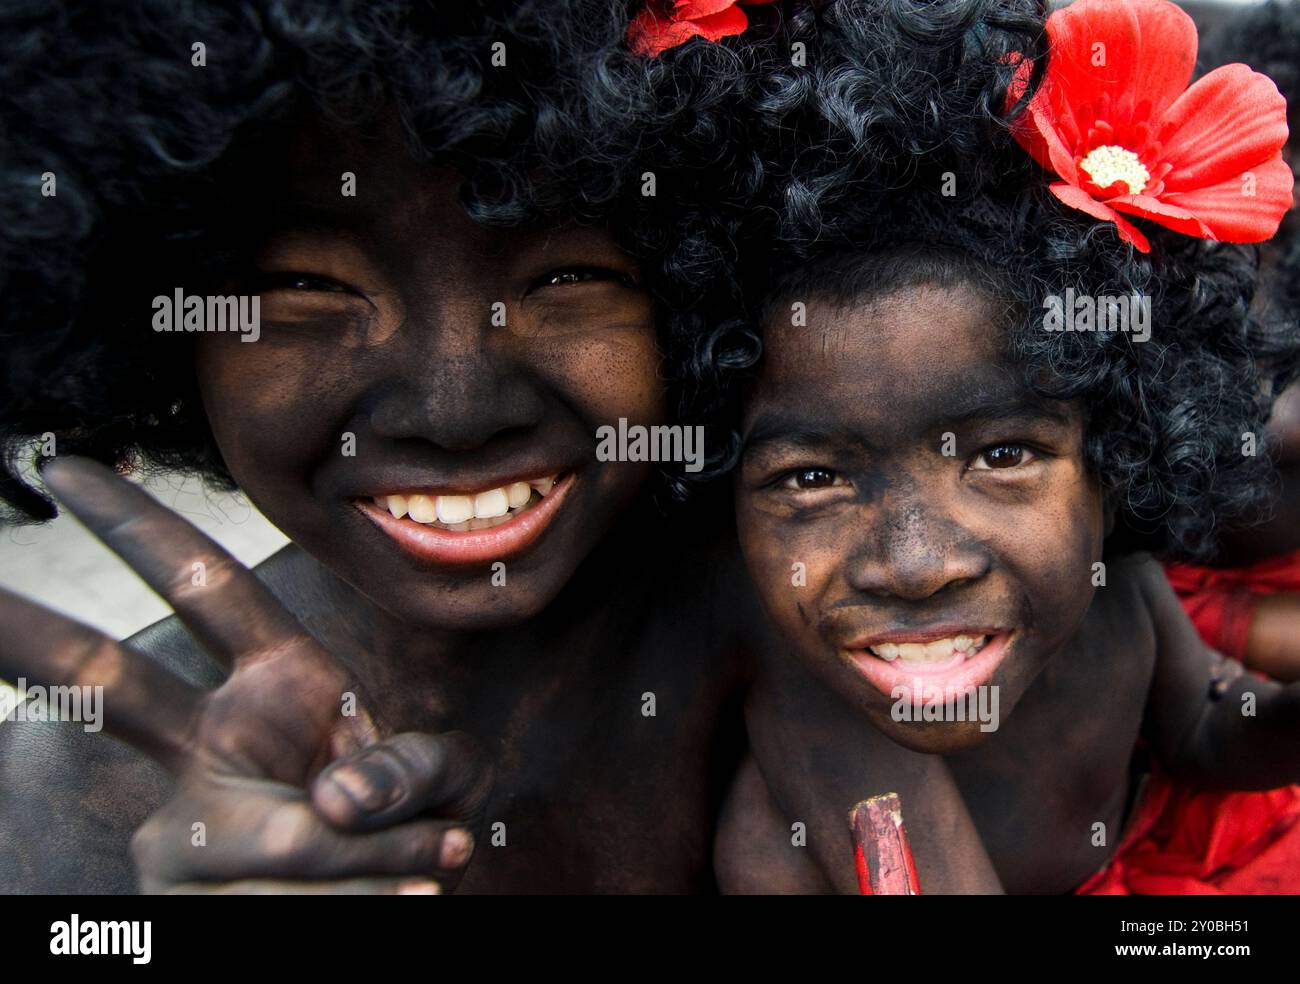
<point>403,776</point>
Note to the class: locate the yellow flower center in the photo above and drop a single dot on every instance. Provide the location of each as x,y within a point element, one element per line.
<point>1107,164</point>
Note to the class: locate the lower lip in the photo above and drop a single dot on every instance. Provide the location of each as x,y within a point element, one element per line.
<point>438,546</point>
<point>951,680</point>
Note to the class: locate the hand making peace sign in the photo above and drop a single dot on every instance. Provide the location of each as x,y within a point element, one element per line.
<point>294,794</point>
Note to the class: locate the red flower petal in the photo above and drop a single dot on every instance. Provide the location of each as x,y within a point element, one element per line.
<point>651,33</point>
<point>1084,202</point>
<point>1226,123</point>
<point>1057,145</point>
<point>695,9</point>
<point>1236,217</point>
<point>1137,55</point>
<point>724,24</point>
<point>1168,215</point>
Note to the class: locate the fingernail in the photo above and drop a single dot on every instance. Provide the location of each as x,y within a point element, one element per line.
<point>370,788</point>
<point>419,888</point>
<point>457,846</point>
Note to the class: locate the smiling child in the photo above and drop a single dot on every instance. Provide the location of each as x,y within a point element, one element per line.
<point>948,503</point>
<point>446,214</point>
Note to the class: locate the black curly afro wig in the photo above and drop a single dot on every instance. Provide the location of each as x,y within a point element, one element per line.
<point>156,160</point>
<point>871,134</point>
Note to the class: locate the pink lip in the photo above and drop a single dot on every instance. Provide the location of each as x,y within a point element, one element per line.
<point>951,680</point>
<point>439,546</point>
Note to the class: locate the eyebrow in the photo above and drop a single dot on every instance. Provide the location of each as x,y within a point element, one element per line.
<point>987,405</point>
<point>783,427</point>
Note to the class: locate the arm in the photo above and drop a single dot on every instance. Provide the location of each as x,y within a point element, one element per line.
<point>1248,738</point>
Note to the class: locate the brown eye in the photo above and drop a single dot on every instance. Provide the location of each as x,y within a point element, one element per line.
<point>812,478</point>
<point>568,277</point>
<point>292,281</point>
<point>571,276</point>
<point>1002,456</point>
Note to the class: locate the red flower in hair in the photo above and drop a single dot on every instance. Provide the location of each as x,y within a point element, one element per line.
<point>1114,120</point>
<point>665,24</point>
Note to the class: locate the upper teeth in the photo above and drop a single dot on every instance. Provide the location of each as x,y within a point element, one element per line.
<point>938,651</point>
<point>462,510</point>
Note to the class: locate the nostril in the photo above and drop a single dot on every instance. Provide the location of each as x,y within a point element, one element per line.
<point>457,416</point>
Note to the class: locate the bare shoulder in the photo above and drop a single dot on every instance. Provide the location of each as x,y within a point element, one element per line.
<point>754,851</point>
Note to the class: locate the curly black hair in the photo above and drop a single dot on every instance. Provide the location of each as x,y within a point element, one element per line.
<point>872,137</point>
<point>156,161</point>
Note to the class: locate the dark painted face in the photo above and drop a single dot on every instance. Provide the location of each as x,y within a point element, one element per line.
<point>420,410</point>
<point>920,526</point>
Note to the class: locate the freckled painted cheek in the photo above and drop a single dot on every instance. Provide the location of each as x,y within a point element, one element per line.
<point>270,409</point>
<point>608,374</point>
<point>789,576</point>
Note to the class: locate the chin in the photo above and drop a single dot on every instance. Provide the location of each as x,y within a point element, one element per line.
<point>483,610</point>
<point>936,738</point>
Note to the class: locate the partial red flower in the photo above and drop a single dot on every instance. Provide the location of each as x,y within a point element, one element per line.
<point>1115,120</point>
<point>665,24</point>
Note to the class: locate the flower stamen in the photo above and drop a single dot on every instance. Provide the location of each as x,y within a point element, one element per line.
<point>1108,163</point>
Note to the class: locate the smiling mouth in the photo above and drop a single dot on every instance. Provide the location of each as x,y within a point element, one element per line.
<point>468,511</point>
<point>930,657</point>
<point>468,527</point>
<point>951,663</point>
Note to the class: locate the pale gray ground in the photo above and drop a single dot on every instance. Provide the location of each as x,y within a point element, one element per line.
<point>65,568</point>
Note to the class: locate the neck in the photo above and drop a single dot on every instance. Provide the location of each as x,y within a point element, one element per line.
<point>418,677</point>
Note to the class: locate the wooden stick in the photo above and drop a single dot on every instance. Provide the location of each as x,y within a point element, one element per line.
<point>881,853</point>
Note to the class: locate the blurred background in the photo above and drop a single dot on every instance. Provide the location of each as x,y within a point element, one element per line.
<point>66,568</point>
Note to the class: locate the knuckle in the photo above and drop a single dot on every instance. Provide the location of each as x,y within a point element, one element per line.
<point>288,834</point>
<point>146,843</point>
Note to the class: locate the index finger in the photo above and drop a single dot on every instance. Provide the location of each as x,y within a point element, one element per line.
<point>141,702</point>
<point>229,611</point>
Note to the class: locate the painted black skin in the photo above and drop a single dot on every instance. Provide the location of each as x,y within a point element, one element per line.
<point>850,480</point>
<point>550,674</point>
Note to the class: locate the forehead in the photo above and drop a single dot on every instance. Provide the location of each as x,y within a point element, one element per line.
<point>396,204</point>
<point>927,345</point>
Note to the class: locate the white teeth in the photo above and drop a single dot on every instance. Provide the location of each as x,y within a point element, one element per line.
<point>463,512</point>
<point>911,652</point>
<point>518,494</point>
<point>455,509</point>
<point>422,509</point>
<point>490,504</point>
<point>938,651</point>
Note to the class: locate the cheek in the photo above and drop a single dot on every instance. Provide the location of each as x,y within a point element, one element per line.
<point>269,405</point>
<point>607,375</point>
<point>790,568</point>
<point>1056,546</point>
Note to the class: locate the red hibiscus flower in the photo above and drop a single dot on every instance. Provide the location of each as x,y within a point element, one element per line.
<point>665,24</point>
<point>1115,121</point>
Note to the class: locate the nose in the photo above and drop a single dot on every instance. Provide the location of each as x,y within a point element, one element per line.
<point>911,552</point>
<point>455,380</point>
